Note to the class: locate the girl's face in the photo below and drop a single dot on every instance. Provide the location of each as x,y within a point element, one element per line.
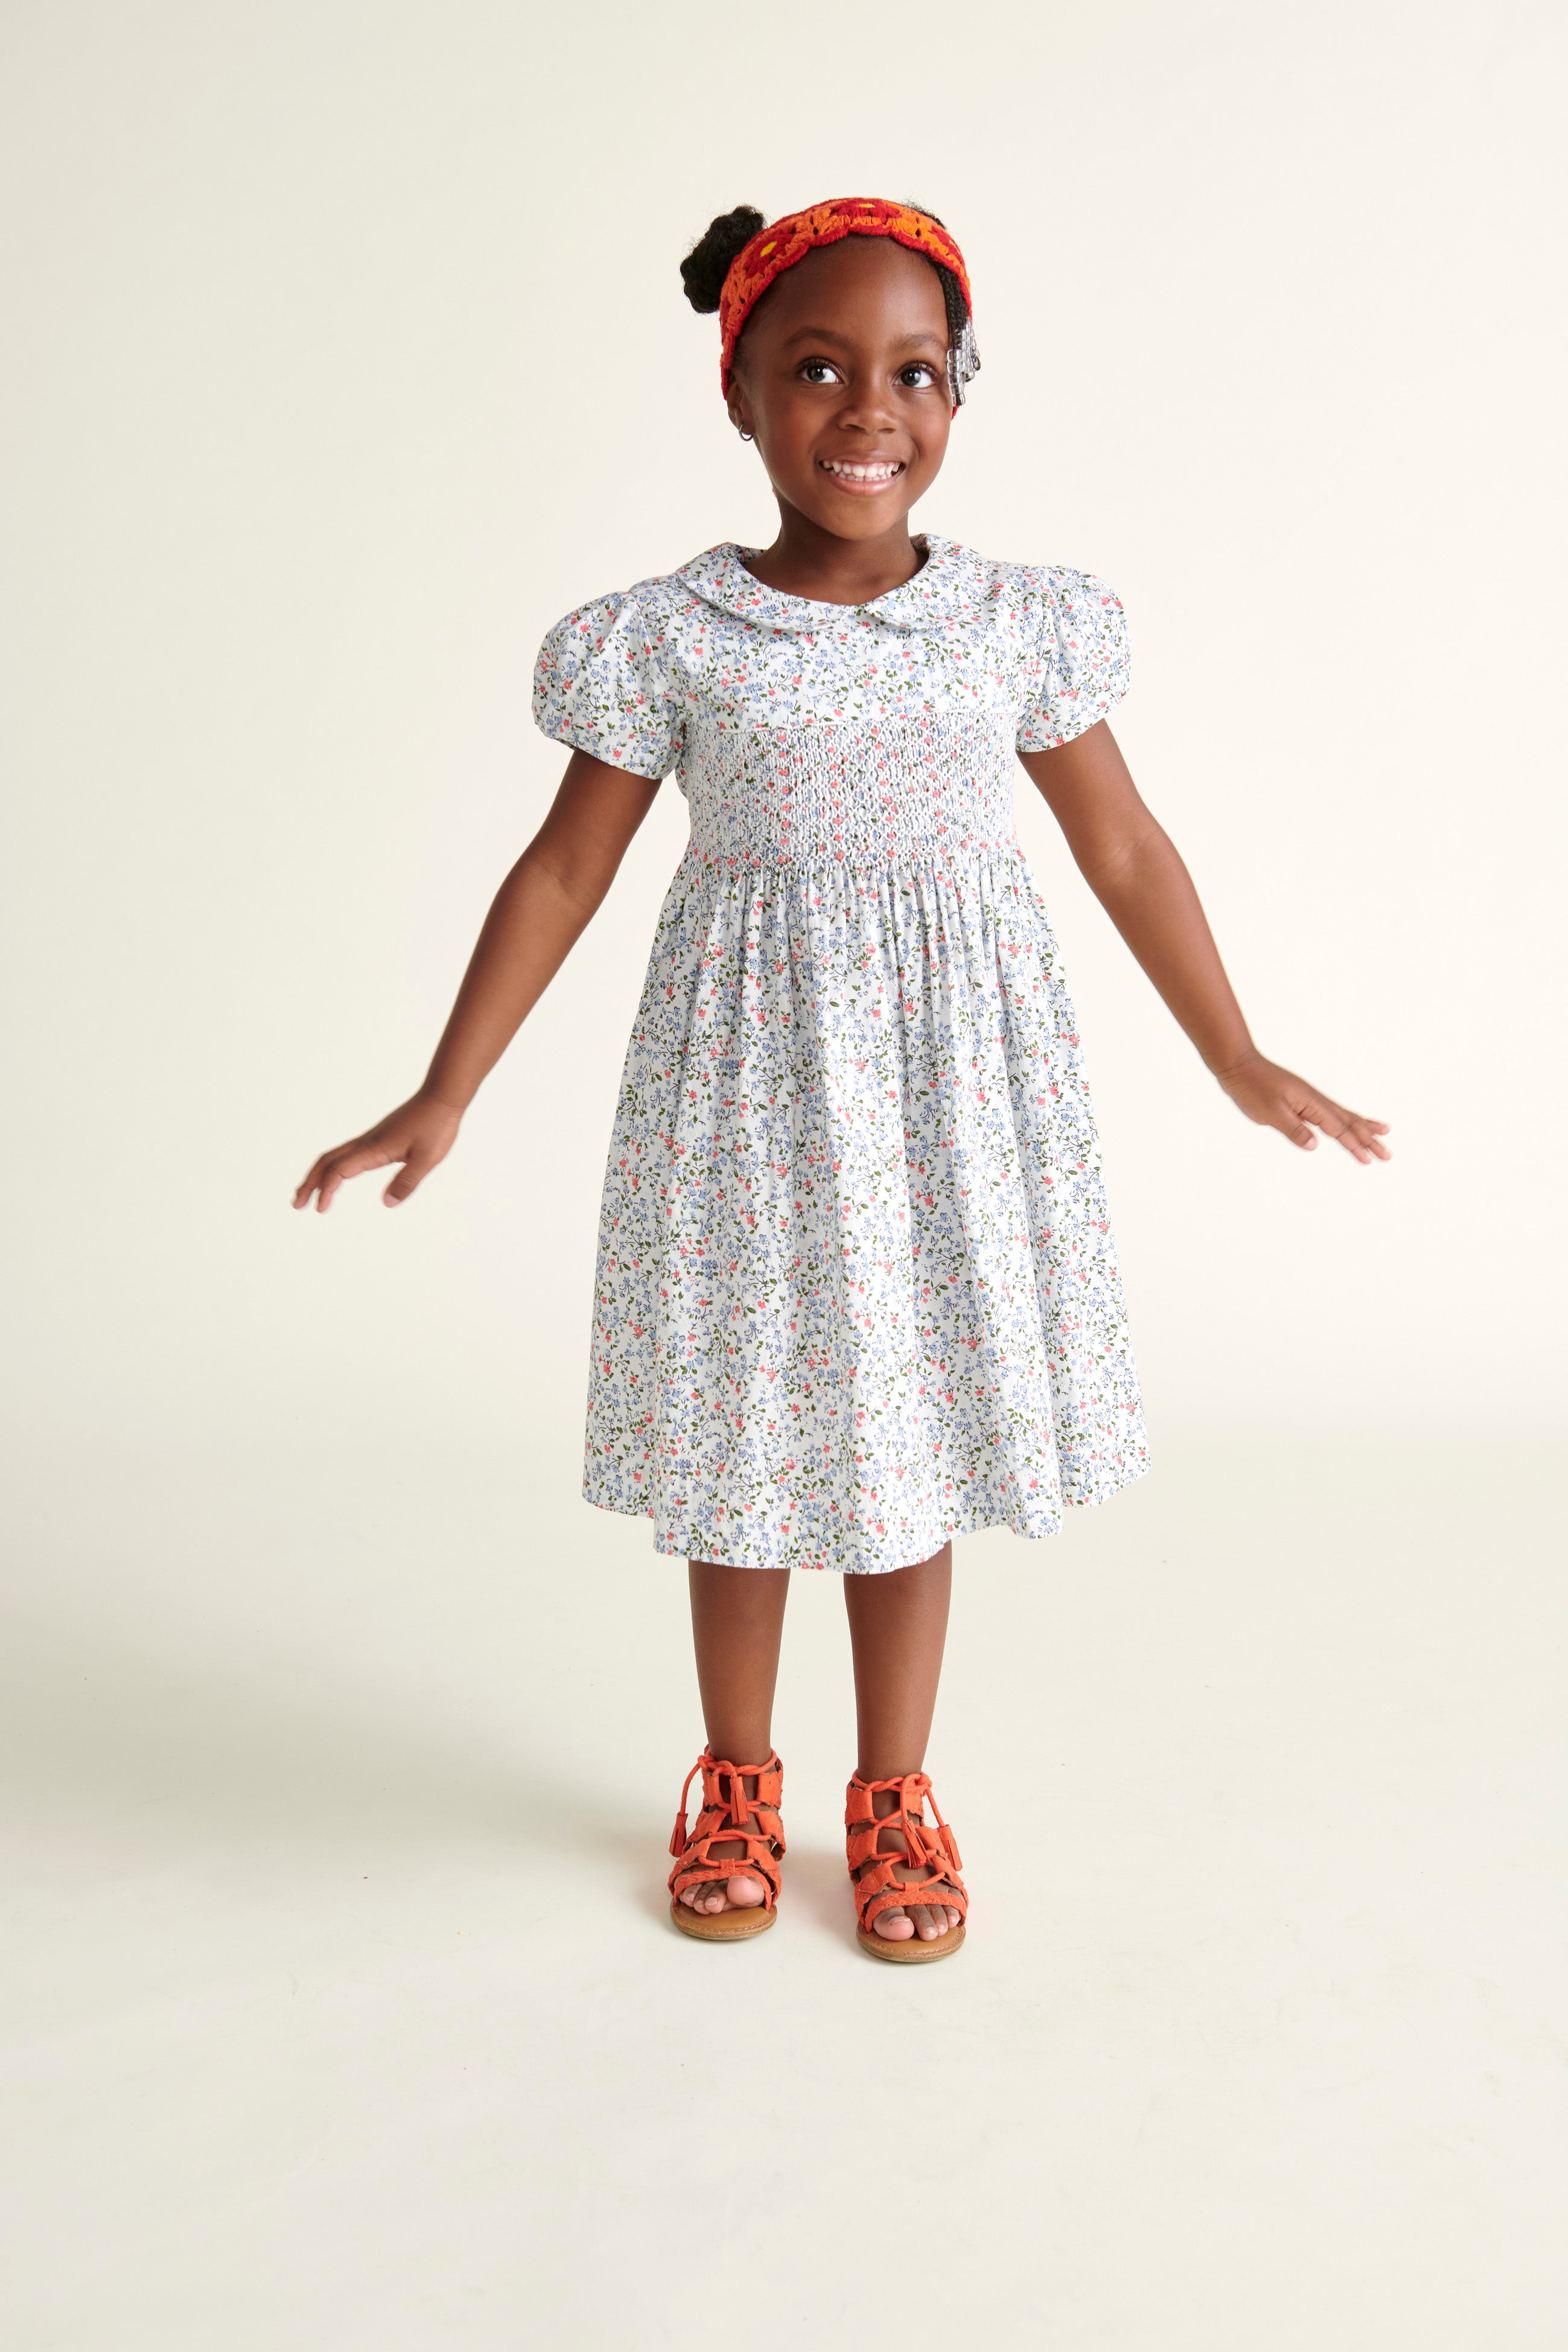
<point>841,375</point>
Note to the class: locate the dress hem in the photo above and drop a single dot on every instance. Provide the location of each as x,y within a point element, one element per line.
<point>979,1524</point>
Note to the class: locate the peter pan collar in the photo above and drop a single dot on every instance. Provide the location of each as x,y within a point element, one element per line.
<point>949,586</point>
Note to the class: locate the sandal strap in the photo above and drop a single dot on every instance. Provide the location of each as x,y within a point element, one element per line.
<point>733,1802</point>
<point>728,1814</point>
<point>932,1850</point>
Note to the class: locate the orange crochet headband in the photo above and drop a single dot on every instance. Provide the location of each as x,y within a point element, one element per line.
<point>777,248</point>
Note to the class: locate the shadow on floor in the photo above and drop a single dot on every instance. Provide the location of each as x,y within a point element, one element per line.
<point>96,1730</point>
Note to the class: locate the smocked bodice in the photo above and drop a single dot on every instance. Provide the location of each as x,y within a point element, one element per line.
<point>930,791</point>
<point>808,734</point>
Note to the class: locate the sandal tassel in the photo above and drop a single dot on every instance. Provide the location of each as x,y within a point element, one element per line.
<point>678,1840</point>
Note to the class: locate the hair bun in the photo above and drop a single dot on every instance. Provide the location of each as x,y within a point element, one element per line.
<point>706,267</point>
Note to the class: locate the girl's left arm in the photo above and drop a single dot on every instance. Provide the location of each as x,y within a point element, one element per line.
<point>1134,868</point>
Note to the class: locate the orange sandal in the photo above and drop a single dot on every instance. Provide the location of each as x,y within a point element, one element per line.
<point>878,1889</point>
<point>728,1814</point>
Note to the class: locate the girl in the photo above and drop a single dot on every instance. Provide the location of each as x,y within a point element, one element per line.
<point>857,1292</point>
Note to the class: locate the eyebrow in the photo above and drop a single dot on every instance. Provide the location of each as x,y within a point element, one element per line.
<point>836,335</point>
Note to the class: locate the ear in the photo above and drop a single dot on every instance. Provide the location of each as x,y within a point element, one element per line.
<point>740,409</point>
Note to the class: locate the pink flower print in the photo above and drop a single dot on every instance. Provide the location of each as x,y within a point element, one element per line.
<point>916,799</point>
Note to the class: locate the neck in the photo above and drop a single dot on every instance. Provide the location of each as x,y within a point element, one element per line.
<point>805,559</point>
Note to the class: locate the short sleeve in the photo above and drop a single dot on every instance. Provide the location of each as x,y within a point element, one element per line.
<point>1084,659</point>
<point>599,684</point>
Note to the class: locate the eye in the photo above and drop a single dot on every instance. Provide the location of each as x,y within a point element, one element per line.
<point>918,378</point>
<point>820,372</point>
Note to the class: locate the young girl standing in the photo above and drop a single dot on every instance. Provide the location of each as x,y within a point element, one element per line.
<point>857,1292</point>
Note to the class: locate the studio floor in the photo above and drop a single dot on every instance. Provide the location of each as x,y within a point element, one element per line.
<point>343,2010</point>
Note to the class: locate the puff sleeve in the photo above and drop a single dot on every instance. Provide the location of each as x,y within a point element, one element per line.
<point>599,684</point>
<point>1084,666</point>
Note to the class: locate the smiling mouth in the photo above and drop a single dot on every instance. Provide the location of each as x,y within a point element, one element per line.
<point>863,474</point>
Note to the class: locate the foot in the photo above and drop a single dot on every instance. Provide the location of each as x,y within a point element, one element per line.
<point>928,1920</point>
<point>742,1893</point>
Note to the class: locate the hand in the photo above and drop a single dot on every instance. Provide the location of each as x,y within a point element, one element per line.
<point>419,1134</point>
<point>1278,1097</point>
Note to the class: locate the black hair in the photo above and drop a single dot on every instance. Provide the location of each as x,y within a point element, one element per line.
<point>707,266</point>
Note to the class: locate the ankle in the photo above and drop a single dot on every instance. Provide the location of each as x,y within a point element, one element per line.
<point>739,1752</point>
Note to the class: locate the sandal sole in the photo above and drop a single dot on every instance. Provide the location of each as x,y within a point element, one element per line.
<point>721,1926</point>
<point>911,1952</point>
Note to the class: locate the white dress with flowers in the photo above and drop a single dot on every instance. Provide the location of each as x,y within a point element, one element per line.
<point>856,1290</point>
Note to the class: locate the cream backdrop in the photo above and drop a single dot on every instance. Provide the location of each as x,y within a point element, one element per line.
<point>347,351</point>
<point>344,351</point>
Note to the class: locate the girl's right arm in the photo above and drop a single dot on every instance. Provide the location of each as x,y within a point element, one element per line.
<point>545,903</point>
<point>1134,870</point>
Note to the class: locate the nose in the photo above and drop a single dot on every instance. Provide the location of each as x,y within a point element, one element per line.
<point>867,408</point>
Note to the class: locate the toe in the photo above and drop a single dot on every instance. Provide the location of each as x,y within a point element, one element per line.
<point>745,1894</point>
<point>897,1926</point>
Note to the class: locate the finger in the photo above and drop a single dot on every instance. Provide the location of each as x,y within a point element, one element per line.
<point>303,1190</point>
<point>330,1183</point>
<point>414,1169</point>
<point>1349,1140</point>
<point>322,1171</point>
<point>1369,1131</point>
<point>350,1159</point>
<point>1345,1129</point>
<point>1334,1123</point>
<point>1358,1136</point>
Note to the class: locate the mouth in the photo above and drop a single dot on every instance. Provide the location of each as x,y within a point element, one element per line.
<point>863,476</point>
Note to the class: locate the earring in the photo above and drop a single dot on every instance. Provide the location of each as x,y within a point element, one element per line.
<point>744,433</point>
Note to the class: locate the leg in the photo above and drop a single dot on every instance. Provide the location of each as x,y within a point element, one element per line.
<point>737,1620</point>
<point>898,1626</point>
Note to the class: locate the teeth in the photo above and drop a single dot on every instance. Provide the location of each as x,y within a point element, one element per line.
<point>881,473</point>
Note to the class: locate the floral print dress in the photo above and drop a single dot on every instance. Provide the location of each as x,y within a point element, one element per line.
<point>856,1291</point>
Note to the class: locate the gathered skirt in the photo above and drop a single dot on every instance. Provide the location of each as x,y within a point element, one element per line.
<point>856,1290</point>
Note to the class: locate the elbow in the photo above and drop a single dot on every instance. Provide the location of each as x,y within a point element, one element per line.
<point>1127,864</point>
<point>578,880</point>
